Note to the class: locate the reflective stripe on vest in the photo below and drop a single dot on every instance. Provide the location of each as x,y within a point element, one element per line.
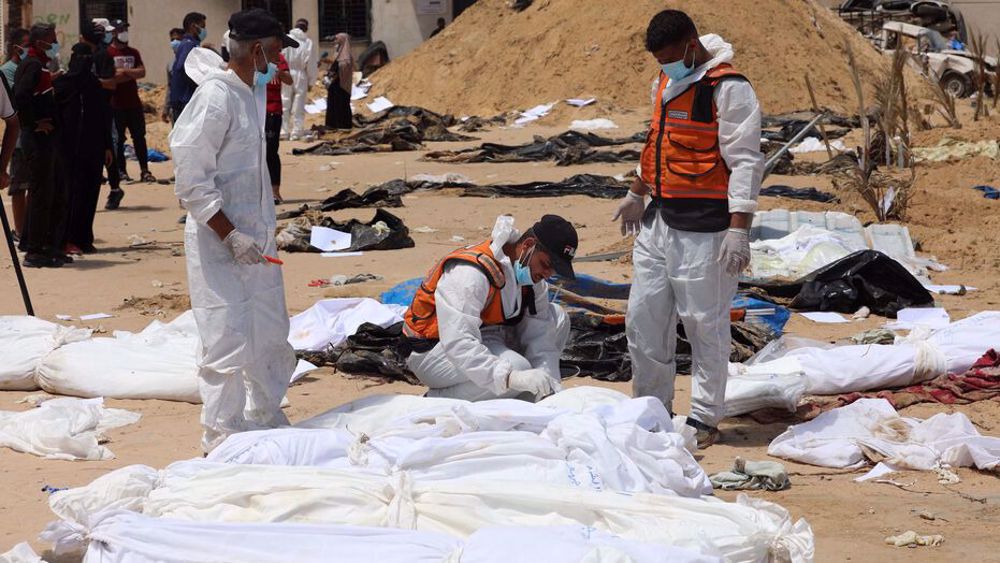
<point>421,317</point>
<point>682,158</point>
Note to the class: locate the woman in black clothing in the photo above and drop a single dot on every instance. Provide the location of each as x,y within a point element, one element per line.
<point>339,81</point>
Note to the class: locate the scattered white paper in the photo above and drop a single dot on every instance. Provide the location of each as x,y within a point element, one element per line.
<point>825,317</point>
<point>381,103</point>
<point>880,470</point>
<point>340,254</point>
<point>812,144</point>
<point>931,317</point>
<point>96,316</point>
<point>329,240</point>
<point>302,368</point>
<point>590,124</point>
<point>580,102</point>
<point>317,106</point>
<point>360,90</point>
<point>423,230</point>
<point>947,289</point>
<point>64,317</point>
<point>534,113</point>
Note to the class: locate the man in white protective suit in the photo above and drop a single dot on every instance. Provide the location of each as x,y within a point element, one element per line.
<point>702,168</point>
<point>303,62</point>
<point>481,325</point>
<point>238,297</point>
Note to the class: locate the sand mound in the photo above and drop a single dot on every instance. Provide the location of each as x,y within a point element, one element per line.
<point>493,59</point>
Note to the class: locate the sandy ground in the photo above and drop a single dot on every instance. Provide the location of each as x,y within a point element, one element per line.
<point>850,519</point>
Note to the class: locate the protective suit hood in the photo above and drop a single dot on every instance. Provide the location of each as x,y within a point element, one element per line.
<point>721,51</point>
<point>203,64</point>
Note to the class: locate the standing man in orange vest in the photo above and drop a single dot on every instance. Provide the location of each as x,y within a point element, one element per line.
<point>481,325</point>
<point>702,169</point>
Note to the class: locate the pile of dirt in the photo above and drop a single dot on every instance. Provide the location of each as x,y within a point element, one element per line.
<point>153,99</point>
<point>158,305</point>
<point>493,59</point>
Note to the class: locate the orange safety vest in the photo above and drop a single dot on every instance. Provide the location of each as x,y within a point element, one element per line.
<point>682,158</point>
<point>421,318</point>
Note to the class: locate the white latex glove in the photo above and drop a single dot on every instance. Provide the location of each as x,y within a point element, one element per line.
<point>630,211</point>
<point>244,248</point>
<point>735,252</point>
<point>534,381</point>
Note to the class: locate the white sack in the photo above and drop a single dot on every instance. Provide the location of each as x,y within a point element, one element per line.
<point>67,429</point>
<point>329,322</point>
<point>838,438</point>
<point>157,363</point>
<point>748,393</point>
<point>845,369</point>
<point>748,530</point>
<point>20,553</point>
<point>24,342</point>
<point>628,444</point>
<point>126,537</point>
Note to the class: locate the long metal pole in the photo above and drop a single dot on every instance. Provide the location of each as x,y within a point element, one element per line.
<point>14,259</point>
<point>798,137</point>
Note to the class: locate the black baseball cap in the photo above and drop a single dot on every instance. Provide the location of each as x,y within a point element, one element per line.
<point>257,23</point>
<point>558,238</point>
<point>119,25</point>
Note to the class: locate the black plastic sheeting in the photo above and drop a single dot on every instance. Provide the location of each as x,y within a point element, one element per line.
<point>401,128</point>
<point>598,348</point>
<point>389,194</point>
<point>567,148</point>
<point>866,278</point>
<point>811,194</point>
<point>364,236</point>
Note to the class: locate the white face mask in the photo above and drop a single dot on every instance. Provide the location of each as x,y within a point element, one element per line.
<point>123,37</point>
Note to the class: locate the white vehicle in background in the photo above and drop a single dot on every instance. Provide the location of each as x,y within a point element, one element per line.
<point>954,70</point>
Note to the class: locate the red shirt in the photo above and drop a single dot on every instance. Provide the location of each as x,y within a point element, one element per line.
<point>126,94</point>
<point>274,87</point>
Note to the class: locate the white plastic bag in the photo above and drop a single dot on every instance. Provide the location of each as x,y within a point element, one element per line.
<point>65,429</point>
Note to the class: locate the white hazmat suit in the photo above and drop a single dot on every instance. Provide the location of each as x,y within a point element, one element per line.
<point>473,362</point>
<point>678,273</point>
<point>245,361</point>
<point>303,63</point>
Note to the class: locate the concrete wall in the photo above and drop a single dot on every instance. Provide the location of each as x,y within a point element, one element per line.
<point>151,21</point>
<point>401,26</point>
<point>982,16</point>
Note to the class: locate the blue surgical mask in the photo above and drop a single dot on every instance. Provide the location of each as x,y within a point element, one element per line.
<point>108,37</point>
<point>262,78</point>
<point>677,70</point>
<point>522,273</point>
<point>53,51</point>
<point>202,33</point>
<point>174,44</point>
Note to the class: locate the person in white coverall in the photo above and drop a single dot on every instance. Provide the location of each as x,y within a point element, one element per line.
<point>702,168</point>
<point>481,326</point>
<point>303,62</point>
<point>238,298</point>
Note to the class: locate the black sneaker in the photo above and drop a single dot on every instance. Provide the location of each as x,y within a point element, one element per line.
<point>705,435</point>
<point>37,260</point>
<point>61,258</point>
<point>114,199</point>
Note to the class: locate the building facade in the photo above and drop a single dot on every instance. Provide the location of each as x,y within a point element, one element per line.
<point>401,24</point>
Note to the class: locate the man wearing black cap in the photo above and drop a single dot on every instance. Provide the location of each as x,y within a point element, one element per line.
<point>481,325</point>
<point>238,297</point>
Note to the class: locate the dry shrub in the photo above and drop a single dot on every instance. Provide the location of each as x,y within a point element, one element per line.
<point>887,194</point>
<point>944,103</point>
<point>977,45</point>
<point>893,109</point>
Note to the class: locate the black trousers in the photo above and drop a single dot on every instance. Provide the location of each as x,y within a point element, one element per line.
<point>46,217</point>
<point>272,132</point>
<point>135,122</point>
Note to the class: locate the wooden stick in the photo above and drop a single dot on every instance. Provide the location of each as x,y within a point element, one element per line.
<point>822,130</point>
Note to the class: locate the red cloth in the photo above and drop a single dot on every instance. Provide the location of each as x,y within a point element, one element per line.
<point>980,383</point>
<point>126,94</point>
<point>274,87</point>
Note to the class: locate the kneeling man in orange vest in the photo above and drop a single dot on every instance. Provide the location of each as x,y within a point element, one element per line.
<point>481,325</point>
